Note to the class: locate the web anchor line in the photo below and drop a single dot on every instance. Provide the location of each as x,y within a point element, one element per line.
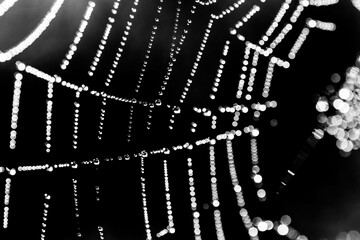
<point>34,35</point>
<point>6,5</point>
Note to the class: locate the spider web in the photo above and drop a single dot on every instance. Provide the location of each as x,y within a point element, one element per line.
<point>163,134</point>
